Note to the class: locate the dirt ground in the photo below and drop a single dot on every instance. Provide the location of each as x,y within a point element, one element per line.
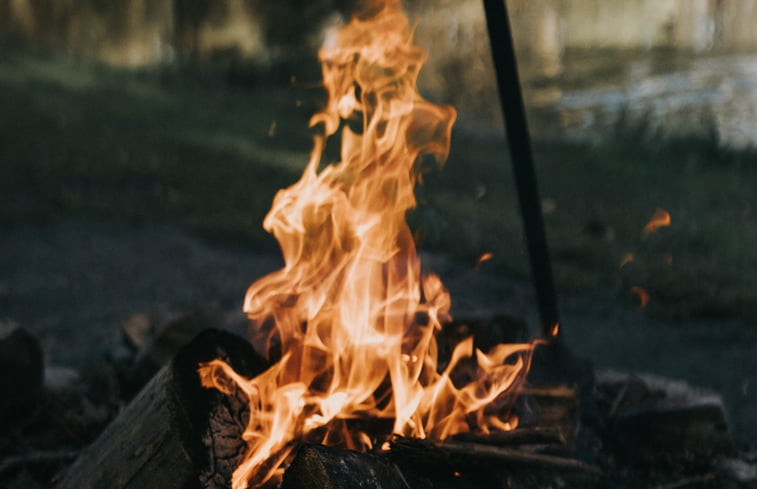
<point>71,282</point>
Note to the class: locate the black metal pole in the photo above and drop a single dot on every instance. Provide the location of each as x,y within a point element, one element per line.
<point>516,129</point>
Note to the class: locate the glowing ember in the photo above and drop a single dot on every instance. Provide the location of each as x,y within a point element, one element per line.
<point>555,330</point>
<point>627,258</point>
<point>484,258</point>
<point>660,219</point>
<point>349,318</point>
<point>642,295</point>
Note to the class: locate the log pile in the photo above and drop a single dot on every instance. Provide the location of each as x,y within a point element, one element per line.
<point>174,433</point>
<point>639,431</point>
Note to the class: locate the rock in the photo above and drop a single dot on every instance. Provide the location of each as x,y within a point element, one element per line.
<point>23,481</point>
<point>21,372</point>
<point>62,379</point>
<point>659,421</point>
<point>737,474</point>
<point>137,329</point>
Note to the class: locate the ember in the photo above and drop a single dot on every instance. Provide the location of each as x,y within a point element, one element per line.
<point>349,318</point>
<point>660,219</point>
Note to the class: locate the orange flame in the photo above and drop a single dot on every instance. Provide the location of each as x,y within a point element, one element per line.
<point>349,316</point>
<point>555,330</point>
<point>660,219</point>
<point>483,259</point>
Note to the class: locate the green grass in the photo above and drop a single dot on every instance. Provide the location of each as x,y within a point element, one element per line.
<point>86,140</point>
<point>704,264</point>
<point>191,146</point>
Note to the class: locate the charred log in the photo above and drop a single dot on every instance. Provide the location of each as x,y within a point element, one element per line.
<point>320,467</point>
<point>174,433</point>
<point>421,464</point>
<point>520,437</point>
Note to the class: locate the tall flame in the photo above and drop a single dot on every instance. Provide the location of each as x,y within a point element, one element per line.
<point>349,317</point>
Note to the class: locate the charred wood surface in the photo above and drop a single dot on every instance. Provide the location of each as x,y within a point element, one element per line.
<point>419,464</point>
<point>320,467</point>
<point>174,433</point>
<point>518,437</point>
<point>461,455</point>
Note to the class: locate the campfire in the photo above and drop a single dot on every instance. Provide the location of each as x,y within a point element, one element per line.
<point>349,320</point>
<point>355,374</point>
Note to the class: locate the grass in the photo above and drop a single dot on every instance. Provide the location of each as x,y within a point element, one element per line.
<point>86,140</point>
<point>194,146</point>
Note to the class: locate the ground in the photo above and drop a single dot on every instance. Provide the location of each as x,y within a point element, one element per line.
<point>72,282</point>
<point>127,192</point>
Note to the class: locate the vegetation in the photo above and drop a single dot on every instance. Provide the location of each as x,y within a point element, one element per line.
<point>206,147</point>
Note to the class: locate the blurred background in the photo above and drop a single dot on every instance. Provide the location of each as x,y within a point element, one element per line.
<point>142,141</point>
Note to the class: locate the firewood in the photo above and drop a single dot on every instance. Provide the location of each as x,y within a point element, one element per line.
<point>517,437</point>
<point>519,457</point>
<point>454,464</point>
<point>320,467</point>
<point>466,454</point>
<point>174,433</point>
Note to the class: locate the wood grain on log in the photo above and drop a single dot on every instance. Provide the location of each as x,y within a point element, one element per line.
<point>174,433</point>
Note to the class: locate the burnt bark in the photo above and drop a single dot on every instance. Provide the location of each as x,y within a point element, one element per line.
<point>423,464</point>
<point>320,467</point>
<point>174,433</point>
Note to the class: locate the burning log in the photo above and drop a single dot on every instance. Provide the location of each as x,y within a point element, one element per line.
<point>519,437</point>
<point>414,463</point>
<point>320,467</point>
<point>467,454</point>
<point>175,433</point>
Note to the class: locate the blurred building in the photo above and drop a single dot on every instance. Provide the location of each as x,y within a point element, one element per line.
<point>142,32</point>
<point>567,49</point>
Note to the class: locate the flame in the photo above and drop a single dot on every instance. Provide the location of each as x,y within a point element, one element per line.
<point>627,258</point>
<point>554,330</point>
<point>660,219</point>
<point>483,258</point>
<point>349,318</point>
